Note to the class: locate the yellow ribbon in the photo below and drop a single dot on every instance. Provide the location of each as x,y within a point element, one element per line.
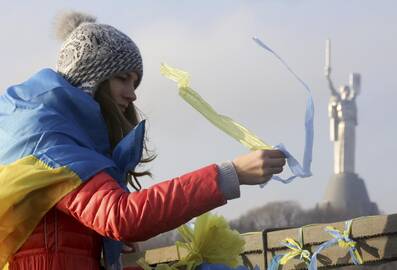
<point>296,250</point>
<point>211,241</point>
<point>345,241</point>
<point>226,124</point>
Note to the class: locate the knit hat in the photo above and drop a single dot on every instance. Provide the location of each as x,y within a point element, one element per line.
<point>92,52</point>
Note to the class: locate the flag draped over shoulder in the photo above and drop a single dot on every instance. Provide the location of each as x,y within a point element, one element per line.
<point>52,138</point>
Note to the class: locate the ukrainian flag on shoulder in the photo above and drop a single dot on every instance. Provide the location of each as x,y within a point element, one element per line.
<point>52,139</point>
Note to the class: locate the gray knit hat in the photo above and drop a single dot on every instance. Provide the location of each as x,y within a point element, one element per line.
<point>92,52</point>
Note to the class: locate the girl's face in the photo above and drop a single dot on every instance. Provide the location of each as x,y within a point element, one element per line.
<point>122,89</point>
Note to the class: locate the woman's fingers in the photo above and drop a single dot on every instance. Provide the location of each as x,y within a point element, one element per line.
<point>258,167</point>
<point>276,162</point>
<point>273,153</point>
<point>274,170</point>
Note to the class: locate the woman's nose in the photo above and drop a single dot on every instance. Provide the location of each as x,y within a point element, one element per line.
<point>130,95</point>
<point>133,96</point>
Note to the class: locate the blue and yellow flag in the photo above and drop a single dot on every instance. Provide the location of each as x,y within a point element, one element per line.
<point>53,138</point>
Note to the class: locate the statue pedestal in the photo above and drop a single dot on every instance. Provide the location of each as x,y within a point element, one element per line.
<point>346,191</point>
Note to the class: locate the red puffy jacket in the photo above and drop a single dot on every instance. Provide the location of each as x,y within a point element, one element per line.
<point>69,236</point>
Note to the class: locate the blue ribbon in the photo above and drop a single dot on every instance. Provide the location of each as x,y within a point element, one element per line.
<point>296,169</point>
<point>274,264</point>
<point>341,238</point>
<point>296,249</point>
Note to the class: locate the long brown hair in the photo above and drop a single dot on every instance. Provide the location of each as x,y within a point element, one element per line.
<point>119,124</point>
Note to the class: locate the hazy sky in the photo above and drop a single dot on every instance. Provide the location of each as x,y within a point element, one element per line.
<point>212,40</point>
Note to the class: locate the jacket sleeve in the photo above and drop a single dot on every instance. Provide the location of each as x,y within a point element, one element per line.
<point>103,206</point>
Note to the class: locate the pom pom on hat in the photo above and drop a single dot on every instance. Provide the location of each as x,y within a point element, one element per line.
<point>67,21</point>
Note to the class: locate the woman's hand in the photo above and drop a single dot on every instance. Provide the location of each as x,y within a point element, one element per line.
<point>259,166</point>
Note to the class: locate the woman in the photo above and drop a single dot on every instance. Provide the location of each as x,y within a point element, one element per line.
<point>70,142</point>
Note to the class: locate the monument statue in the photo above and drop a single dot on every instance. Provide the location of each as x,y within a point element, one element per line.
<point>342,111</point>
<point>346,190</point>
